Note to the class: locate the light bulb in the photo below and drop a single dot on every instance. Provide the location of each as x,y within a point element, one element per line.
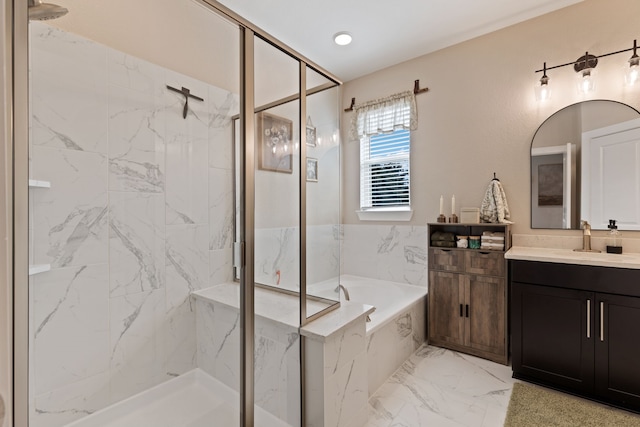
<point>633,72</point>
<point>542,89</point>
<point>586,82</point>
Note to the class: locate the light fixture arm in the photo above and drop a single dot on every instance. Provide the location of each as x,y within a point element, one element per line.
<point>583,59</point>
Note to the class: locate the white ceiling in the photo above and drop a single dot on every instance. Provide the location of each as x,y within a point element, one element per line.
<point>384,32</point>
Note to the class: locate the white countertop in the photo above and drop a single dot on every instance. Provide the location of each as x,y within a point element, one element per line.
<point>568,256</point>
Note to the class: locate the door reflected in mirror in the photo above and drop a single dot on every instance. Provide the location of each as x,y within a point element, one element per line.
<point>557,175</point>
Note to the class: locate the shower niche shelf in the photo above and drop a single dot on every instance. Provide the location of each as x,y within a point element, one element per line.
<point>38,268</point>
<point>33,183</point>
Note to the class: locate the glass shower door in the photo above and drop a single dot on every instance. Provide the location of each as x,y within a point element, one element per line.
<point>277,236</point>
<point>130,215</point>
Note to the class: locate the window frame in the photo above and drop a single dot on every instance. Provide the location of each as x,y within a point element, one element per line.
<point>369,211</point>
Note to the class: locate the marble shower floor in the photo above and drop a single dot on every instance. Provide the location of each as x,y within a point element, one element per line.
<point>443,388</point>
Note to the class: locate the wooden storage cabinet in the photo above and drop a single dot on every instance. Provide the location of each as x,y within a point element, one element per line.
<point>568,334</point>
<point>468,295</point>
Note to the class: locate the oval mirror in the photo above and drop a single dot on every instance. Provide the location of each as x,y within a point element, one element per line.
<point>556,156</point>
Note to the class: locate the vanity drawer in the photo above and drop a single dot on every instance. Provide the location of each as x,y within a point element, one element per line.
<point>485,262</point>
<point>446,260</point>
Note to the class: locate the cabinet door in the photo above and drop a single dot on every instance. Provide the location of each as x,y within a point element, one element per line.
<point>553,335</point>
<point>482,262</point>
<point>485,313</point>
<point>446,297</point>
<point>618,349</point>
<point>446,260</point>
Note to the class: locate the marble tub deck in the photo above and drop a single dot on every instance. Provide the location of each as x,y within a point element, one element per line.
<point>439,387</point>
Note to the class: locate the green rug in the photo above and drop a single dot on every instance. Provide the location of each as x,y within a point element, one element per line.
<point>533,406</point>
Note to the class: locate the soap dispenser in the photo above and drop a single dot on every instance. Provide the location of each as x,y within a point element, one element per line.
<point>614,240</point>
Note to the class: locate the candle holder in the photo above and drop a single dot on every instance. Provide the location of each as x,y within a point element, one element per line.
<point>453,218</point>
<point>442,218</point>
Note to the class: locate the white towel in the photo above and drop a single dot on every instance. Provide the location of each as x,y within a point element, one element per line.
<point>494,206</point>
<point>492,246</point>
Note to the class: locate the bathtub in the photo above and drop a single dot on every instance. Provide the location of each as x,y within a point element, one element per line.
<point>397,327</point>
<point>389,298</point>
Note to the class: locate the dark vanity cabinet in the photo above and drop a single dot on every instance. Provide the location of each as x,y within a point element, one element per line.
<point>577,328</point>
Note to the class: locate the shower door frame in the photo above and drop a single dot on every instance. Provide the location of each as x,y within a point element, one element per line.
<point>16,205</point>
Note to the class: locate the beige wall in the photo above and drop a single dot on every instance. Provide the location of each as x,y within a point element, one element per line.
<point>183,36</point>
<point>480,113</point>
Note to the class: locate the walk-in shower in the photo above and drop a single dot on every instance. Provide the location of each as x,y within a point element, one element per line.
<point>138,135</point>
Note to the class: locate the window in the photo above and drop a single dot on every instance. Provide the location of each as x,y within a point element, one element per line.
<point>383,128</point>
<point>384,170</point>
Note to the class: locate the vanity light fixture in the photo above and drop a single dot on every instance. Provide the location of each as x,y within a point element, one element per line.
<point>585,67</point>
<point>342,38</point>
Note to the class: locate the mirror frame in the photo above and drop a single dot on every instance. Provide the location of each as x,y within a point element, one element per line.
<point>577,187</point>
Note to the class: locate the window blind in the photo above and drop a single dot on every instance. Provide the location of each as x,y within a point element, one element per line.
<point>384,170</point>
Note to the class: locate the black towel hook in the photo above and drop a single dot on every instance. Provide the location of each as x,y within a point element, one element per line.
<point>494,177</point>
<point>187,94</point>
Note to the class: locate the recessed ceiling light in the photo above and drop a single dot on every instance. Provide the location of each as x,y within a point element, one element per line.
<point>342,38</point>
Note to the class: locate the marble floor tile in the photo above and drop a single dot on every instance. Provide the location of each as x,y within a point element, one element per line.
<point>439,387</point>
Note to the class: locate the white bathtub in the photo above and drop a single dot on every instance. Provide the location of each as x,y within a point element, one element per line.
<point>397,327</point>
<point>389,298</point>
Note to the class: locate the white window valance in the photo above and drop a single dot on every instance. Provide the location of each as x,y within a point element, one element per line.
<point>385,115</point>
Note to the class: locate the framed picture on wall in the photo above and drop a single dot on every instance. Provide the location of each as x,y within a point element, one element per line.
<point>550,184</point>
<point>311,136</point>
<point>312,169</point>
<point>275,143</point>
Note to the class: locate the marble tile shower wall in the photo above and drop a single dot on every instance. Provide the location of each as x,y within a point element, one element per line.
<point>139,214</point>
<point>386,252</point>
<point>277,257</point>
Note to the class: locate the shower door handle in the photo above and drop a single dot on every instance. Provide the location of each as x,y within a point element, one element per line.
<point>238,254</point>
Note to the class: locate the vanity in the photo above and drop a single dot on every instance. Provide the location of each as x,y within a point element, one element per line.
<point>575,322</point>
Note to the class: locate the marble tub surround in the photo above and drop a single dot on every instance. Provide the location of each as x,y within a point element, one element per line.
<point>630,241</point>
<point>569,256</point>
<point>444,388</point>
<point>390,344</point>
<point>126,232</point>
<point>386,252</point>
<point>336,368</point>
<point>270,304</point>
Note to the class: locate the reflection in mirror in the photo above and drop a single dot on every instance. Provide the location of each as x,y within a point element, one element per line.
<point>556,165</point>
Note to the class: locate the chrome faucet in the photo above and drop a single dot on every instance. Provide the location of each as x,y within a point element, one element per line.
<point>586,237</point>
<point>346,292</point>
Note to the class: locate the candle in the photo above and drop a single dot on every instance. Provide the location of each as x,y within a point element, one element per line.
<point>453,205</point>
<point>441,206</point>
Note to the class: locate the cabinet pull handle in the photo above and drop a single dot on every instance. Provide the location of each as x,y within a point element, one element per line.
<point>588,318</point>
<point>601,320</point>
<point>467,308</point>
<point>460,310</point>
<point>484,253</point>
<point>445,250</point>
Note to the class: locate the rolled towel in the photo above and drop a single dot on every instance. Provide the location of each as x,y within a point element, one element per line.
<point>443,236</point>
<point>443,244</point>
